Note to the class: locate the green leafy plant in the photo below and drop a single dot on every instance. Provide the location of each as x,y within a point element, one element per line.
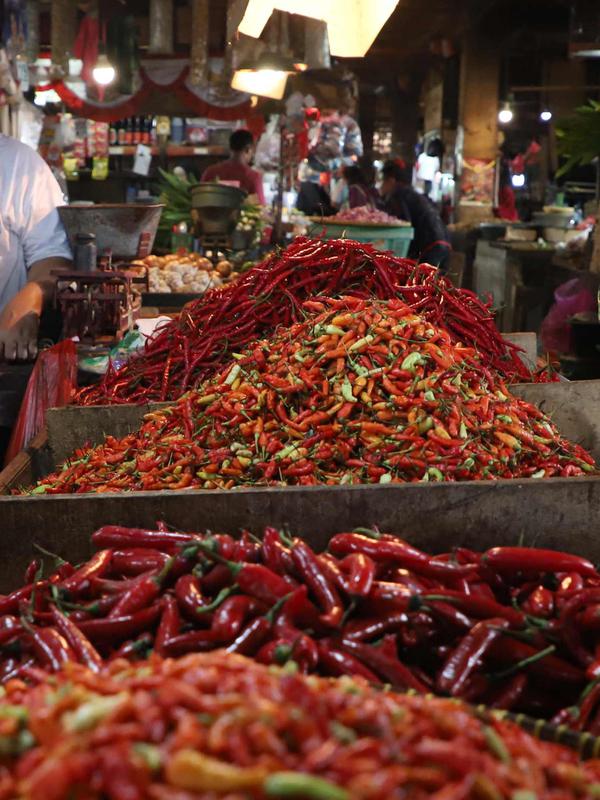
<point>176,196</point>
<point>578,137</point>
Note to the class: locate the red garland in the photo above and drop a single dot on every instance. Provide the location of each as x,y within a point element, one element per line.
<point>112,112</point>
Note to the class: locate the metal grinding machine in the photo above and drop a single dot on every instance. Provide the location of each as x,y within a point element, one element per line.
<point>102,297</point>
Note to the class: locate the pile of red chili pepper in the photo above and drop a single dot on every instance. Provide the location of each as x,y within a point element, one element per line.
<point>225,320</point>
<point>513,628</point>
<point>211,726</point>
<point>360,392</point>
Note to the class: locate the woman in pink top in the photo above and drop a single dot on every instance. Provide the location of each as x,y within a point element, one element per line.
<point>237,170</point>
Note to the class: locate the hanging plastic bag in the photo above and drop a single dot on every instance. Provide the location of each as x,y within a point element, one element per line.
<point>51,385</point>
<point>570,298</point>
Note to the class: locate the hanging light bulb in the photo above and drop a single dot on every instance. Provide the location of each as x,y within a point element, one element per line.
<point>103,71</point>
<point>505,114</point>
<point>546,115</point>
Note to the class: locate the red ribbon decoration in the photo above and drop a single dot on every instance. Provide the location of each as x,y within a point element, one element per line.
<point>112,112</point>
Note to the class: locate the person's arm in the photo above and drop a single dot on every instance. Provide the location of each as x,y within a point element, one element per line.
<point>259,189</point>
<point>20,317</point>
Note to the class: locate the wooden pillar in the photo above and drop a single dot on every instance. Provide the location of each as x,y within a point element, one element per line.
<point>478,115</point>
<point>161,27</point>
<point>234,14</point>
<point>433,97</point>
<point>199,44</point>
<point>33,30</point>
<point>63,22</point>
<point>403,101</point>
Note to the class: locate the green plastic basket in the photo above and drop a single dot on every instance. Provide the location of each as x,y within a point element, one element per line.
<point>396,238</point>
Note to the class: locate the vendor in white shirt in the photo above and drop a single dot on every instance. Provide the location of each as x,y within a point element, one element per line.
<point>33,242</point>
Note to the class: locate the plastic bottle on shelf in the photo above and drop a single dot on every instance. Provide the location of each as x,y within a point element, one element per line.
<point>137,130</point>
<point>177,130</point>
<point>129,131</point>
<point>146,130</point>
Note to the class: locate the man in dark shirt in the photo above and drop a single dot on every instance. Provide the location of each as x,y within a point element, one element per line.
<point>236,169</point>
<point>430,242</point>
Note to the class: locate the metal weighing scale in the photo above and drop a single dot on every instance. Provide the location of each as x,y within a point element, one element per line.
<point>215,213</point>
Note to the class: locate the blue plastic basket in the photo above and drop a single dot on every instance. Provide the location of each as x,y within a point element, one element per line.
<point>396,238</point>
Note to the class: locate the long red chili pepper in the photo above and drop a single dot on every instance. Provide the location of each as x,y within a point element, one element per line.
<point>527,559</point>
<point>96,567</point>
<point>169,626</point>
<point>522,639</point>
<point>116,536</point>
<point>400,402</point>
<point>82,647</point>
<point>467,656</point>
<point>115,629</point>
<point>142,593</point>
<point>51,649</point>
<point>222,321</point>
<point>312,574</point>
<point>384,661</point>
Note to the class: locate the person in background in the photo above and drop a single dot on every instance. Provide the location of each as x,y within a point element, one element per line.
<point>359,192</point>
<point>313,200</point>
<point>236,169</point>
<point>430,243</point>
<point>33,243</point>
<point>507,207</point>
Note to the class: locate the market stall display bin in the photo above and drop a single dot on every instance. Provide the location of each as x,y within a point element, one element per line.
<point>572,406</point>
<point>561,513</point>
<point>396,238</point>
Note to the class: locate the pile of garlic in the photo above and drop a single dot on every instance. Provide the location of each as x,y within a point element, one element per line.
<point>184,272</point>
